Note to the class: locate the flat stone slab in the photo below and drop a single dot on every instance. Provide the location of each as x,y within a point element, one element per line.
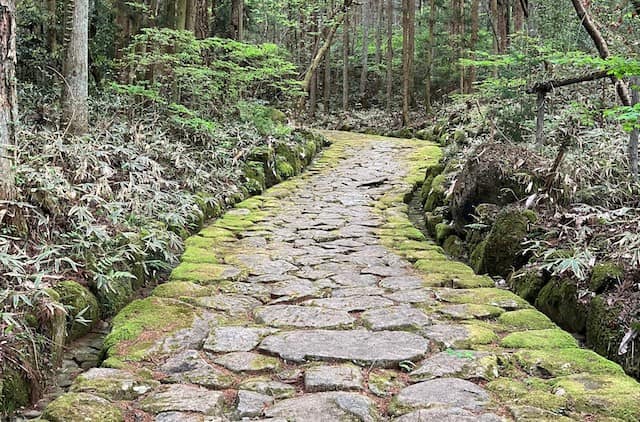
<point>452,414</point>
<point>333,378</point>
<point>357,291</point>
<point>263,385</point>
<point>444,392</point>
<point>235,305</point>
<point>190,367</point>
<point>470,311</point>
<point>395,318</point>
<point>351,303</point>
<point>183,398</point>
<point>247,362</point>
<point>302,316</point>
<point>385,271</point>
<point>402,283</point>
<point>383,348</point>
<point>294,288</point>
<point>113,384</point>
<point>234,339</point>
<point>412,296</point>
<point>258,264</point>
<point>353,279</point>
<point>252,404</point>
<point>334,406</point>
<point>465,364</point>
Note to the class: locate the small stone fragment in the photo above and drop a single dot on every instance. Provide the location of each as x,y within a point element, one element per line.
<point>248,362</point>
<point>251,404</point>
<point>333,378</point>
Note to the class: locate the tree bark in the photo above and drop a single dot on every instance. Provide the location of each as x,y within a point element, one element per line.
<point>633,138</point>
<point>182,7</point>
<point>518,16</point>
<point>237,19</point>
<point>408,20</point>
<point>345,64</point>
<point>430,53</point>
<point>365,54</point>
<point>8,98</point>
<point>473,42</point>
<point>201,29</point>
<point>389,55</point>
<point>75,110</point>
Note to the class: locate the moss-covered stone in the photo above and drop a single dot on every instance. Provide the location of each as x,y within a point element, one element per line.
<point>254,172</point>
<point>233,222</point>
<point>114,297</point>
<point>81,304</point>
<point>178,289</point>
<point>154,317</point>
<point>528,283</point>
<point>113,384</point>
<point>82,407</point>
<point>539,339</point>
<point>436,195</point>
<point>218,233</point>
<point>476,259</point>
<point>559,300</point>
<point>410,233</point>
<point>604,333</point>
<point>504,243</point>
<point>562,362</point>
<point>431,220</point>
<point>529,392</point>
<point>454,246</point>
<point>205,273</point>
<point>526,319</point>
<point>15,389</point>
<point>443,230</point>
<point>604,275</point>
<point>487,296</point>
<point>200,256</point>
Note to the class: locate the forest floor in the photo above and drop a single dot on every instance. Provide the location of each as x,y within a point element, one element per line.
<point>319,300</point>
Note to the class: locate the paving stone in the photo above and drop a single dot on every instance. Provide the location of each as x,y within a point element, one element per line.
<point>395,318</point>
<point>470,311</point>
<point>384,348</point>
<point>357,291</point>
<point>294,288</point>
<point>252,404</point>
<point>333,378</point>
<point>179,417</point>
<point>234,339</point>
<point>302,316</point>
<point>183,398</point>
<point>321,407</point>
<point>259,264</point>
<point>465,364</point>
<point>402,283</point>
<point>113,384</point>
<point>355,279</point>
<point>235,305</point>
<point>444,392</point>
<point>412,296</point>
<point>447,334</point>
<point>190,367</point>
<point>452,414</point>
<point>351,303</point>
<point>385,271</point>
<point>247,362</point>
<point>264,385</point>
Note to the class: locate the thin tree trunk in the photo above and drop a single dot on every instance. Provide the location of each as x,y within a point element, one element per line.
<point>408,18</point>
<point>8,98</point>
<point>345,64</point>
<point>52,34</point>
<point>237,19</point>
<point>430,52</point>
<point>181,14</point>
<point>633,138</point>
<point>379,25</point>
<point>518,16</point>
<point>190,24</point>
<point>473,42</point>
<point>389,54</point>
<point>76,71</point>
<point>365,53</point>
<point>201,29</point>
<point>326,95</point>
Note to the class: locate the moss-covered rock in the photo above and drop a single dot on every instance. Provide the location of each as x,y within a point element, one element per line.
<point>114,297</point>
<point>526,319</point>
<point>604,275</point>
<point>443,231</point>
<point>15,389</point>
<point>436,194</point>
<point>603,330</point>
<point>539,339</point>
<point>527,283</point>
<point>206,273</point>
<point>179,289</point>
<point>486,296</point>
<point>562,362</point>
<point>113,384</point>
<point>559,300</point>
<point>256,180</point>
<point>529,392</point>
<point>504,243</point>
<point>476,259</point>
<point>454,246</point>
<point>81,305</point>
<point>82,407</point>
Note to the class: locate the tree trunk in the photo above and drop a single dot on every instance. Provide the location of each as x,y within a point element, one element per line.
<point>326,86</point>
<point>8,98</point>
<point>182,7</point>
<point>430,52</point>
<point>75,110</point>
<point>365,54</point>
<point>345,64</point>
<point>201,29</point>
<point>473,42</point>
<point>237,19</point>
<point>52,33</point>
<point>190,24</point>
<point>379,25</point>
<point>633,138</point>
<point>518,16</point>
<point>389,55</point>
<point>408,19</point>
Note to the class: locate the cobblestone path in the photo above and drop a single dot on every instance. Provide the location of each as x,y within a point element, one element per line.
<point>319,301</point>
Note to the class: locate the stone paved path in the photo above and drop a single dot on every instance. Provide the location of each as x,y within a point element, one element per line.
<point>319,301</point>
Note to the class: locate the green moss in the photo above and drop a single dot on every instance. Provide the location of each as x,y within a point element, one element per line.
<point>504,242</point>
<point>605,274</point>
<point>254,203</point>
<point>444,278</point>
<point>233,222</point>
<point>113,387</point>
<point>476,259</point>
<point>472,311</point>
<point>82,407</point>
<point>200,256</point>
<point>178,289</point>
<point>526,319</point>
<point>405,232</point>
<point>431,220</point>
<point>15,390</point>
<point>435,254</point>
<point>443,230</point>
<point>539,339</point>
<point>80,302</point>
<point>606,395</point>
<point>443,266</point>
<point>559,300</point>
<point>487,296</point>
<point>156,317</point>
<point>527,283</point>
<point>528,392</point>
<point>435,198</point>
<point>114,297</point>
<point>530,215</point>
<point>603,327</point>
<point>562,362</point>
<point>256,178</point>
<point>205,273</point>
<point>479,335</point>
<point>454,246</point>
<point>218,233</point>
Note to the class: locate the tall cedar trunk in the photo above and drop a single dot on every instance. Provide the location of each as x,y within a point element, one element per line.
<point>430,52</point>
<point>379,25</point>
<point>461,46</point>
<point>169,16</point>
<point>8,97</point>
<point>408,19</point>
<point>52,35</point>
<point>182,7</point>
<point>518,16</point>
<point>190,24</point>
<point>345,64</point>
<point>201,29</point>
<point>365,54</point>
<point>633,138</point>
<point>503,25</point>
<point>493,9</point>
<point>313,84</point>
<point>237,19</point>
<point>326,85</point>
<point>473,42</point>
<point>389,54</point>
<point>75,112</point>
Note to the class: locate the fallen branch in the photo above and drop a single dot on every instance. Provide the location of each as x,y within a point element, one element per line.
<point>548,86</point>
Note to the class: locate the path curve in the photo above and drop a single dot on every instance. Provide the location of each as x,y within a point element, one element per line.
<point>319,301</point>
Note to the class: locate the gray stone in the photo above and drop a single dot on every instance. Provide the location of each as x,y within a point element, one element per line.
<point>412,296</point>
<point>383,348</point>
<point>234,339</point>
<point>351,303</point>
<point>113,384</point>
<point>402,283</point>
<point>259,264</point>
<point>247,362</point>
<point>395,318</point>
<point>179,417</point>
<point>465,364</point>
<point>444,392</point>
<point>333,378</point>
<point>385,271</point>
<point>190,367</point>
<point>263,385</point>
<point>325,407</point>
<point>358,291</point>
<point>294,288</point>
<point>302,316</point>
<point>451,414</point>
<point>447,335</point>
<point>235,305</point>
<point>251,404</point>
<point>353,279</point>
<point>183,398</point>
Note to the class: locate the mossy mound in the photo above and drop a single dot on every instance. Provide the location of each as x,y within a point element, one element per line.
<point>487,296</point>
<point>114,297</point>
<point>562,362</point>
<point>559,300</point>
<point>539,339</point>
<point>604,275</point>
<point>526,319</point>
<point>82,407</point>
<point>80,304</point>
<point>528,392</point>
<point>15,389</point>
<point>503,244</point>
<point>139,326</point>
<point>202,273</point>
<point>179,289</point>
<point>527,283</point>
